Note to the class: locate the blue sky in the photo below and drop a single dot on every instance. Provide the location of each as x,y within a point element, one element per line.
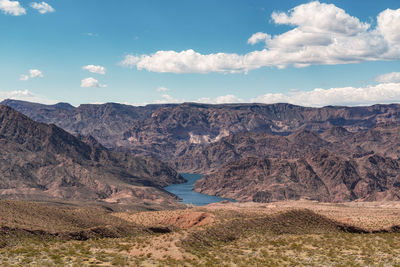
<point>138,52</point>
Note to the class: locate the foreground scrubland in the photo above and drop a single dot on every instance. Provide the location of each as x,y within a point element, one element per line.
<point>222,234</point>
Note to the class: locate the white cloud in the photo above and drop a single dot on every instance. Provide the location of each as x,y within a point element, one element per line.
<point>162,89</point>
<point>95,69</point>
<point>187,61</point>
<point>42,7</point>
<point>382,93</point>
<point>92,83</point>
<point>25,95</point>
<point>228,99</point>
<point>259,37</point>
<point>393,77</point>
<point>225,99</point>
<point>13,8</point>
<point>322,34</point>
<point>130,61</point>
<point>34,73</point>
<point>91,34</point>
<point>167,99</point>
<point>388,25</point>
<point>317,17</point>
<point>23,77</point>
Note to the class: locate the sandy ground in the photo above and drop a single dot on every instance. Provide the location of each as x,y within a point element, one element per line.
<point>368,215</point>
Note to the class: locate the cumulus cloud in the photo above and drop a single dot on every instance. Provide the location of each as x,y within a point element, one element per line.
<point>393,77</point>
<point>314,17</point>
<point>187,61</point>
<point>382,93</point>
<point>225,99</point>
<point>23,77</point>
<point>388,25</point>
<point>25,95</point>
<point>95,69</point>
<point>33,73</point>
<point>13,8</point>
<point>42,7</point>
<point>259,37</point>
<point>162,89</point>
<point>322,34</point>
<point>130,61</point>
<point>166,99</point>
<point>92,83</point>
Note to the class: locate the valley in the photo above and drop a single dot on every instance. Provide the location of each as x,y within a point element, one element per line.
<point>199,133</point>
<point>304,193</point>
<point>43,162</point>
<point>251,152</point>
<point>188,196</point>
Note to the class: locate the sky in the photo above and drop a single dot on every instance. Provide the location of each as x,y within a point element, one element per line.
<point>310,53</point>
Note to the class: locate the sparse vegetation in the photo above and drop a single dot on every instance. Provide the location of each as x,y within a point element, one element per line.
<point>255,236</point>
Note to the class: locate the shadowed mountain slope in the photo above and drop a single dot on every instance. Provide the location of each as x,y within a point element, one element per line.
<point>322,176</point>
<point>40,161</point>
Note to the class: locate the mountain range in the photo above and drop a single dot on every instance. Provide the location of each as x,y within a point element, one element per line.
<point>170,131</point>
<point>250,152</point>
<point>43,162</point>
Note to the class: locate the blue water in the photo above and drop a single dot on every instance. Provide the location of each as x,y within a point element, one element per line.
<point>188,196</point>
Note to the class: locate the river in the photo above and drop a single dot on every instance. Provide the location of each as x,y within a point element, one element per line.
<point>188,196</point>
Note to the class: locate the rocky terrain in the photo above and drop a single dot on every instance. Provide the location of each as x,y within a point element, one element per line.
<point>322,176</point>
<point>333,166</point>
<point>251,152</point>
<point>211,157</point>
<point>40,161</point>
<point>289,233</point>
<point>170,132</point>
<point>383,140</point>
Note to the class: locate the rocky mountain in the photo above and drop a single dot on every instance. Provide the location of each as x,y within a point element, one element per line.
<point>322,176</point>
<point>251,152</point>
<point>383,140</point>
<point>41,161</point>
<point>333,166</point>
<point>105,122</point>
<point>171,132</point>
<point>211,157</point>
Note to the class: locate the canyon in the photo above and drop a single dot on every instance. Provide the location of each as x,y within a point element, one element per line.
<point>249,152</point>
